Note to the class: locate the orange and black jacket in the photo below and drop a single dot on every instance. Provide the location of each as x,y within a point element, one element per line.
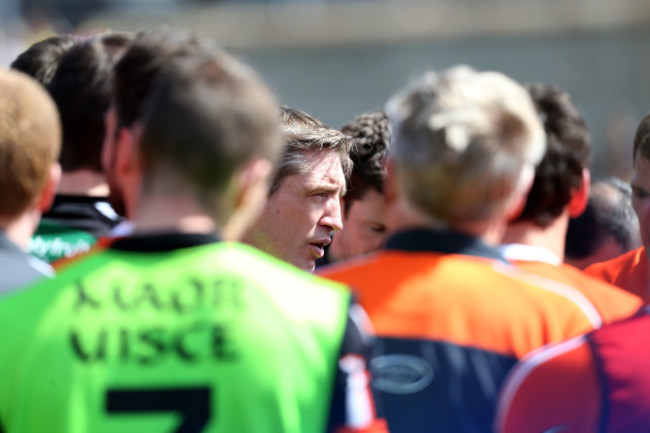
<point>453,317</point>
<point>628,271</point>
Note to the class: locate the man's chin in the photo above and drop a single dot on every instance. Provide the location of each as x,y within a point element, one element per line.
<point>308,265</point>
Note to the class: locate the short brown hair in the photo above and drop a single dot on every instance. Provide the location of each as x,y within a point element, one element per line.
<point>642,139</point>
<point>148,56</point>
<point>206,116</point>
<point>568,145</point>
<point>303,134</point>
<point>30,140</point>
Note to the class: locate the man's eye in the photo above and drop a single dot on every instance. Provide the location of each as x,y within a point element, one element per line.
<point>319,195</point>
<point>378,228</point>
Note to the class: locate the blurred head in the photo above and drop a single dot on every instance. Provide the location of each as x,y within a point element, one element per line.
<point>41,60</point>
<point>304,203</point>
<point>640,182</point>
<point>30,139</point>
<point>364,210</point>
<point>82,88</point>
<point>559,176</point>
<point>464,145</point>
<point>606,229</point>
<point>207,126</point>
<point>148,56</point>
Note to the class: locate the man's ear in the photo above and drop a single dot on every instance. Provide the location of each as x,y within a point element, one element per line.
<point>126,158</point>
<point>127,167</point>
<point>46,197</point>
<point>519,198</point>
<point>390,182</point>
<point>580,196</point>
<point>247,194</point>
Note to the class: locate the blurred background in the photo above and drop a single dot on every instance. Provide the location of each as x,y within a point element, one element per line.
<point>336,58</point>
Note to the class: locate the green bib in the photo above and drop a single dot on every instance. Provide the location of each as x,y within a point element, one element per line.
<point>215,338</point>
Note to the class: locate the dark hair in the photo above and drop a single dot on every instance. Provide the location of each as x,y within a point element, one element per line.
<point>609,214</point>
<point>41,60</point>
<point>372,135</point>
<point>302,134</point>
<point>82,88</point>
<point>206,116</point>
<point>642,139</point>
<point>150,55</point>
<point>567,155</point>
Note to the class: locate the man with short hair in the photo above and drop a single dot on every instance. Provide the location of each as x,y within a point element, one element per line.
<point>304,203</point>
<point>134,75</point>
<point>631,271</point>
<point>169,329</point>
<point>30,139</point>
<point>81,88</point>
<point>451,315</point>
<point>606,229</point>
<point>535,240</point>
<point>364,207</point>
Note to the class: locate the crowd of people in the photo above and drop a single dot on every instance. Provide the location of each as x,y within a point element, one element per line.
<point>183,253</point>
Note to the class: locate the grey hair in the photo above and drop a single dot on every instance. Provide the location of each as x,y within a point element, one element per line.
<point>465,142</point>
<point>304,134</point>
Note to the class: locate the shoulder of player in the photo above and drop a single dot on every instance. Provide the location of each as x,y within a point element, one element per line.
<point>559,297</point>
<point>552,387</point>
<point>611,269</point>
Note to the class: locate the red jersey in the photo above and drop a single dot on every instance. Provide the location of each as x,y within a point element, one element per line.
<point>452,319</point>
<point>613,303</point>
<point>599,383</point>
<point>628,271</point>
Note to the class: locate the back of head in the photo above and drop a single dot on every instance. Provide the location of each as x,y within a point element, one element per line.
<point>150,55</point>
<point>464,143</point>
<point>205,118</point>
<point>41,60</point>
<point>30,137</point>
<point>642,139</point>
<point>609,216</point>
<point>82,88</point>
<point>372,134</point>
<point>304,134</point>
<point>568,143</point>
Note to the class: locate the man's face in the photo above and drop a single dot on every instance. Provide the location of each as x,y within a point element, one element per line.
<point>641,197</point>
<point>301,215</point>
<point>364,227</point>
<point>116,196</point>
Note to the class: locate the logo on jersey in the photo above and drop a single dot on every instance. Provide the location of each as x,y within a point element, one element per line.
<point>401,374</point>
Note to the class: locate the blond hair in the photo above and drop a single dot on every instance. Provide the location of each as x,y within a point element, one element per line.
<point>30,140</point>
<point>464,142</point>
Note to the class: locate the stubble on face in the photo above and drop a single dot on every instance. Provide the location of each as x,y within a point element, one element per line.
<point>300,216</point>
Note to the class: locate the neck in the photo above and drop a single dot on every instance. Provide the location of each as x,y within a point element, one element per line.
<point>178,213</point>
<point>19,230</point>
<point>403,215</point>
<point>83,182</point>
<point>551,238</point>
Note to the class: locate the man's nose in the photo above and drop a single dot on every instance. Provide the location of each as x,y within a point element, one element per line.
<point>332,215</point>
